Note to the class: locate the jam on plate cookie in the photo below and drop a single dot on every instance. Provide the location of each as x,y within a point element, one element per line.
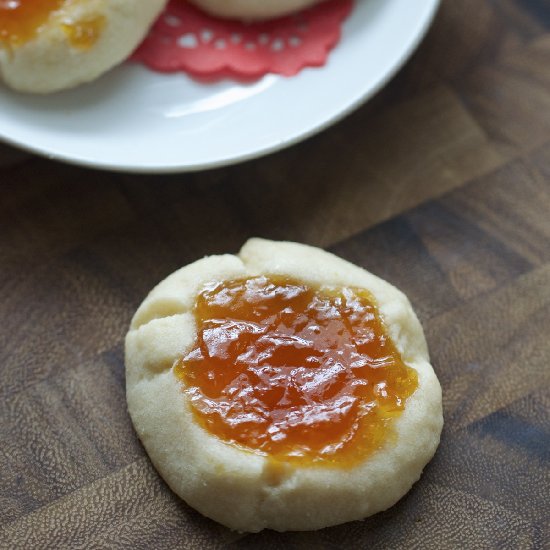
<point>50,45</point>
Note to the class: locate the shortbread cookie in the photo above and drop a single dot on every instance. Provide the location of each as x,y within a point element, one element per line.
<point>49,45</point>
<point>282,388</point>
<point>253,9</point>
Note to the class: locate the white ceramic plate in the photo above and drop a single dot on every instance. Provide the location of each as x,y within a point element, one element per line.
<point>139,121</point>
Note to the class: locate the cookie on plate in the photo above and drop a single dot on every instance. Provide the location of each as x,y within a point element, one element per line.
<point>50,45</point>
<point>253,9</point>
<point>282,388</point>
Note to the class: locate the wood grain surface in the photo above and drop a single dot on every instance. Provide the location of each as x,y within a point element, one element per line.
<point>441,185</point>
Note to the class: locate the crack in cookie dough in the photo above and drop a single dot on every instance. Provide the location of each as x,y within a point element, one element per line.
<point>176,294</point>
<point>158,308</point>
<point>157,345</point>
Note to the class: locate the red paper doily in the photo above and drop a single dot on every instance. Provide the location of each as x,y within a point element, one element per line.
<point>186,39</point>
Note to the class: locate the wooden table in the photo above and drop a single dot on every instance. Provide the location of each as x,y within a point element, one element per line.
<point>440,185</point>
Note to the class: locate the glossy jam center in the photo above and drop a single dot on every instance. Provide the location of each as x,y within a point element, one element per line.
<point>21,21</point>
<point>293,372</point>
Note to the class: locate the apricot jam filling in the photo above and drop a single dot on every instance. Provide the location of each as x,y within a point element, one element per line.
<point>22,20</point>
<point>84,33</point>
<point>294,373</point>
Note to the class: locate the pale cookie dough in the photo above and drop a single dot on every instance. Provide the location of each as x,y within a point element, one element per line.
<point>235,487</point>
<point>253,9</point>
<point>50,61</point>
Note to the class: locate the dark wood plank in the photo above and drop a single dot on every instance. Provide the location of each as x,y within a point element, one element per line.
<point>486,327</point>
